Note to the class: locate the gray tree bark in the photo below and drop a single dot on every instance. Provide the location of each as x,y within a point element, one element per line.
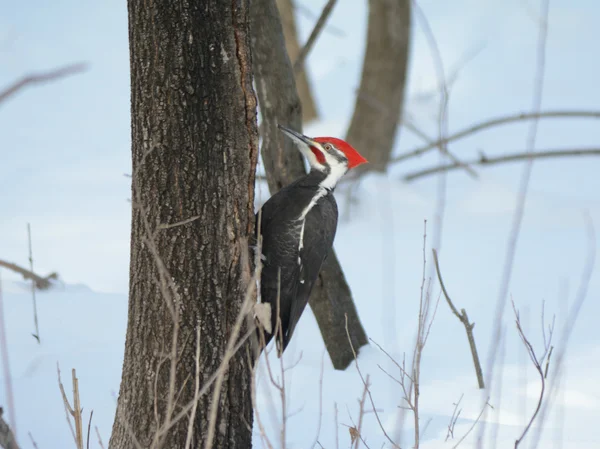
<point>288,21</point>
<point>194,153</point>
<point>331,298</point>
<point>380,98</point>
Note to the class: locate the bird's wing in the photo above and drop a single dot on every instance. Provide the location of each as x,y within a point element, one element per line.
<point>319,232</point>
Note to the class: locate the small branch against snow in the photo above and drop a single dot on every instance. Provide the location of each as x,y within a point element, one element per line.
<point>33,442</point>
<point>74,411</point>
<point>455,414</point>
<point>99,437</point>
<point>464,319</point>
<point>36,335</point>
<point>320,401</point>
<point>538,362</point>
<point>7,377</point>
<point>299,63</point>
<point>367,387</point>
<point>484,160</point>
<point>485,406</point>
<point>40,78</point>
<point>491,123</point>
<point>89,429</point>
<point>41,283</point>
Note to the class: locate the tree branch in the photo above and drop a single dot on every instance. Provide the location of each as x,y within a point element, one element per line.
<point>40,78</point>
<point>491,123</point>
<point>41,283</point>
<point>464,319</point>
<point>520,156</point>
<point>378,108</point>
<point>299,63</point>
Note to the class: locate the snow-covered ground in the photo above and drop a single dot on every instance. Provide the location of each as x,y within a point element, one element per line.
<point>66,147</point>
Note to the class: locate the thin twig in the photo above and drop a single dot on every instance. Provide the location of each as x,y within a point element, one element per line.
<point>299,63</point>
<point>179,223</point>
<point>190,433</point>
<point>491,123</point>
<point>38,78</point>
<point>320,400</point>
<point>537,363</point>
<point>75,410</point>
<point>464,319</point>
<point>33,442</point>
<point>367,387</point>
<point>99,437</point>
<point>511,247</point>
<point>454,418</point>
<point>36,335</point>
<point>484,160</point>
<point>487,404</point>
<point>89,428</point>
<point>6,369</point>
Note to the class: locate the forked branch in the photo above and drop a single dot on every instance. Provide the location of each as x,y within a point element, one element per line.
<point>464,319</point>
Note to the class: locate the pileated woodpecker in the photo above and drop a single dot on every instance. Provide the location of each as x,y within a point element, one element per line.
<point>298,226</point>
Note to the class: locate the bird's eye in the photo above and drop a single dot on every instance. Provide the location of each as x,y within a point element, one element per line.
<point>328,147</point>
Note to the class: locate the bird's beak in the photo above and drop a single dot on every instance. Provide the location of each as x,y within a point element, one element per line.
<point>297,137</point>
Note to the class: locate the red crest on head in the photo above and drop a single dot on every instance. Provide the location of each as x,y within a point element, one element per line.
<point>353,156</point>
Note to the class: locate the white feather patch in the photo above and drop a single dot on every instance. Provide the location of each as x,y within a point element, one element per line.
<point>262,312</point>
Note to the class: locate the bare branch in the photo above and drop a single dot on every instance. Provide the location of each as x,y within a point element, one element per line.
<point>179,223</point>
<point>492,123</point>
<point>537,363</point>
<point>511,247</point>
<point>444,98</point>
<point>454,418</point>
<point>40,78</point>
<point>6,434</point>
<point>487,404</point>
<point>41,283</point>
<point>99,437</point>
<point>75,410</point>
<point>464,319</point>
<point>36,335</point>
<point>484,160</point>
<point>89,429</point>
<point>320,401</point>
<point>299,63</point>
<point>367,388</point>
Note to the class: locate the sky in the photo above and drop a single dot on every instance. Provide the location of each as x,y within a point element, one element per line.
<point>66,151</point>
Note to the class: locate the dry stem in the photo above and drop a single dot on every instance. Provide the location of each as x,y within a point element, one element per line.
<point>75,410</point>
<point>464,319</point>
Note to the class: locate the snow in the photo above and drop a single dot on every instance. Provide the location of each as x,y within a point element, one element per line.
<point>69,148</point>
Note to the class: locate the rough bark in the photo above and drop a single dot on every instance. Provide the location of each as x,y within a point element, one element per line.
<point>7,437</point>
<point>194,152</point>
<point>288,21</point>
<point>380,98</point>
<point>331,298</point>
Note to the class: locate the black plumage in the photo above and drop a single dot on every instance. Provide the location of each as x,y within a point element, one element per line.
<point>298,226</point>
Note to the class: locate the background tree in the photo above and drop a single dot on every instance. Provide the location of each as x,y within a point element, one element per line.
<point>380,97</point>
<point>194,148</point>
<point>292,44</point>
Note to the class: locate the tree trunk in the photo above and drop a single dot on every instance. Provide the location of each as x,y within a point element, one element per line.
<point>380,97</point>
<point>331,298</point>
<point>288,20</point>
<point>194,152</point>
